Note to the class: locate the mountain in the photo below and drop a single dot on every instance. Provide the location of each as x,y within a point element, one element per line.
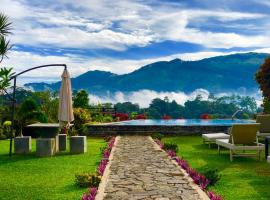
<point>217,74</point>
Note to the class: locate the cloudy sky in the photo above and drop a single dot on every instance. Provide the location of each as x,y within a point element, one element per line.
<point>122,35</point>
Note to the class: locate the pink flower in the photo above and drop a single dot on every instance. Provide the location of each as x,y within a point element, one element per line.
<point>106,153</point>
<point>160,144</point>
<point>171,153</point>
<point>90,195</point>
<point>111,143</point>
<point>198,178</point>
<point>102,167</point>
<point>214,196</point>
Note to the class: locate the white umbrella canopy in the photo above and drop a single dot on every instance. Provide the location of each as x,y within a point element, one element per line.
<point>65,111</point>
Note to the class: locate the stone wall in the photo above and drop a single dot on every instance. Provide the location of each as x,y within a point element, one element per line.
<point>114,129</point>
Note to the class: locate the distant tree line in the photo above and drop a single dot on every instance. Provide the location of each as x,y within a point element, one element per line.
<point>32,107</point>
<point>215,107</point>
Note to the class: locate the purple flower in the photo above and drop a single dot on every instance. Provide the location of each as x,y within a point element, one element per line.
<point>111,143</point>
<point>90,195</point>
<point>214,196</point>
<point>171,153</point>
<point>101,167</point>
<point>160,144</point>
<point>198,178</point>
<point>106,153</point>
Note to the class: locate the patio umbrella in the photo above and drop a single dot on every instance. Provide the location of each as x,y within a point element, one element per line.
<point>65,112</point>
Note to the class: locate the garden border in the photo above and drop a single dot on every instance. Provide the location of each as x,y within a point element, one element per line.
<point>104,179</point>
<point>201,193</point>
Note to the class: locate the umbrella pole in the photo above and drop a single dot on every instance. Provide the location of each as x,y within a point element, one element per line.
<point>13,116</point>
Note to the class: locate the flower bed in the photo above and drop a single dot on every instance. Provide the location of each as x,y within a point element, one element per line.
<point>92,192</point>
<point>197,177</point>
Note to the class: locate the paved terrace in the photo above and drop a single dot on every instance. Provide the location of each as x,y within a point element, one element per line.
<point>139,169</point>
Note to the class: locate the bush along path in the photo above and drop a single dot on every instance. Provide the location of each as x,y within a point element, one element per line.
<point>92,192</point>
<point>197,177</point>
<point>139,169</point>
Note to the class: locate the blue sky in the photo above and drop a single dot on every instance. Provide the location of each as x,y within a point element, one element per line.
<point>121,36</point>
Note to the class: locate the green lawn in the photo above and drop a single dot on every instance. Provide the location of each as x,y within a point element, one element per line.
<point>244,178</point>
<point>29,177</point>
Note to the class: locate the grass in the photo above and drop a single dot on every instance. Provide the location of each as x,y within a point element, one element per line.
<point>244,178</point>
<point>31,177</point>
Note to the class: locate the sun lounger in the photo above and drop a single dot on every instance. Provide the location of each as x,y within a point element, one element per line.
<point>211,138</point>
<point>264,120</point>
<point>243,138</point>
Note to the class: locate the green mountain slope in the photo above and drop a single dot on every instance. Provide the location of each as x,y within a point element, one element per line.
<point>217,74</point>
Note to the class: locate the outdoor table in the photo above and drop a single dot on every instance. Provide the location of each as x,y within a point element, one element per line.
<point>267,139</point>
<point>45,130</point>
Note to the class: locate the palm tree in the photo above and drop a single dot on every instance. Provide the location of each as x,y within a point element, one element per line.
<point>5,74</point>
<point>5,28</point>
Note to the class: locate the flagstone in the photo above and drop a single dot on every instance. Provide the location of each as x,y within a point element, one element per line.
<point>139,169</point>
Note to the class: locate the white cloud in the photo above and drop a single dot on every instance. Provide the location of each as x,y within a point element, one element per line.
<point>118,25</point>
<point>144,97</point>
<point>263,50</point>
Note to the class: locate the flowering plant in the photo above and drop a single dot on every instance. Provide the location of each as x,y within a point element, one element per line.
<point>198,178</point>
<point>214,196</point>
<point>205,116</point>
<point>166,117</point>
<point>121,116</point>
<point>91,194</point>
<point>141,116</point>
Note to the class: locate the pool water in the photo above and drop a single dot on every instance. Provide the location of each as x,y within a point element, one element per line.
<point>185,122</point>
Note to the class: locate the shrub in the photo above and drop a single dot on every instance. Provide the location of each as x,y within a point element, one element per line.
<point>81,116</point>
<point>2,136</point>
<point>170,146</point>
<point>141,116</point>
<point>205,116</point>
<point>121,116</point>
<point>212,175</point>
<point>73,132</point>
<point>107,118</point>
<point>166,117</point>
<point>87,180</point>
<point>157,136</point>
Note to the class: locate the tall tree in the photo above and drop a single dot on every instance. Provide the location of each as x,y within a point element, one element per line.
<point>263,78</point>
<point>81,99</point>
<point>127,107</point>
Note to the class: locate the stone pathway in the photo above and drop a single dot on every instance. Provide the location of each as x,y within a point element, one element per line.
<point>141,170</point>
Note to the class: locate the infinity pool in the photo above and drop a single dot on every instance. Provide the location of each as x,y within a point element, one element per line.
<point>184,122</point>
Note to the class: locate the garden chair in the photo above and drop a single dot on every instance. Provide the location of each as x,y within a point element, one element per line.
<point>210,138</point>
<point>264,130</point>
<point>243,137</point>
